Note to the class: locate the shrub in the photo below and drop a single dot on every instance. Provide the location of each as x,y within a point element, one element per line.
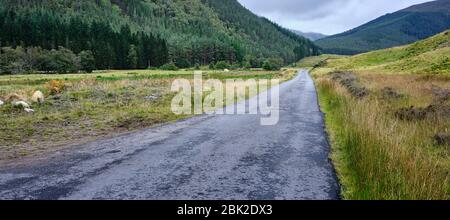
<point>247,65</point>
<point>20,60</point>
<point>12,61</point>
<point>273,64</point>
<point>61,61</point>
<point>87,61</point>
<point>266,65</point>
<point>212,66</point>
<point>235,66</point>
<point>222,65</point>
<point>66,61</point>
<point>182,63</point>
<point>253,62</point>
<point>169,66</point>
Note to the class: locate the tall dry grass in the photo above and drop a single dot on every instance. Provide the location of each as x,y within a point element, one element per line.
<point>379,156</point>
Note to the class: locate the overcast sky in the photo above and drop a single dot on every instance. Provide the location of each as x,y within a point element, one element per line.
<point>325,16</point>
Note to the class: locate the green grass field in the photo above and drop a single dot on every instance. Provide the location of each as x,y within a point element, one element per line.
<point>95,105</point>
<point>311,62</point>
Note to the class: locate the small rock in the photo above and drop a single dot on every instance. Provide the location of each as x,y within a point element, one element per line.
<point>29,110</point>
<point>152,97</point>
<point>21,104</point>
<point>1,103</point>
<point>38,97</point>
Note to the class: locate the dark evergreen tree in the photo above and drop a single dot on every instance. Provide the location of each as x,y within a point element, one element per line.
<point>132,57</point>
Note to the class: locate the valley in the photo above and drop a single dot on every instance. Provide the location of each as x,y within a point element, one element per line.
<point>224,100</point>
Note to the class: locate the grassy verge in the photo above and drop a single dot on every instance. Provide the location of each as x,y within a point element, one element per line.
<point>93,105</point>
<point>378,156</point>
<point>384,141</point>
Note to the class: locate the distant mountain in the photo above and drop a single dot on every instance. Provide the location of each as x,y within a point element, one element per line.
<point>310,35</point>
<point>402,27</point>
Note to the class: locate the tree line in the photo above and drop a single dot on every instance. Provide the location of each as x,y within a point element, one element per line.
<point>41,30</point>
<point>35,59</point>
<point>130,34</point>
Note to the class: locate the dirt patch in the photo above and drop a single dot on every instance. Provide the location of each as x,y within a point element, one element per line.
<point>350,82</point>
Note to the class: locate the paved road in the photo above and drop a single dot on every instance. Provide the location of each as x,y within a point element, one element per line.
<point>206,157</point>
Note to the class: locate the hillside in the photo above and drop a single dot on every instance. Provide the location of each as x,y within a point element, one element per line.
<point>429,56</point>
<point>261,36</point>
<point>140,33</point>
<point>402,27</point>
<point>310,35</point>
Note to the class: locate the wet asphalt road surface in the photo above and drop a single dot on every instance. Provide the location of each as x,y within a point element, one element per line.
<point>228,157</point>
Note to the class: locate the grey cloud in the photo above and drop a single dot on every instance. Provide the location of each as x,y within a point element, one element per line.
<point>325,16</point>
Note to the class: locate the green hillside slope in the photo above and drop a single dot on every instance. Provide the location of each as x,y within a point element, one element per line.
<point>399,28</point>
<point>429,56</point>
<point>186,32</point>
<point>261,36</point>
